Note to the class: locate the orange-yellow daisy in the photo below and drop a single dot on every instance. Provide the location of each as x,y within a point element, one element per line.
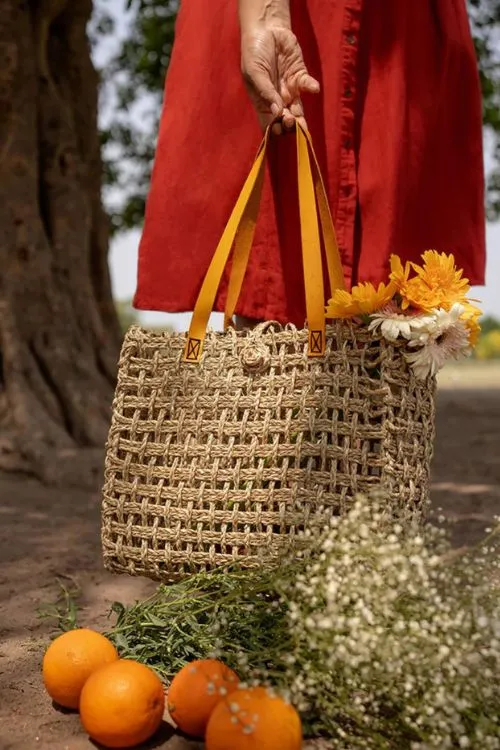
<point>399,273</point>
<point>364,299</point>
<point>437,283</point>
<point>342,305</point>
<point>470,317</point>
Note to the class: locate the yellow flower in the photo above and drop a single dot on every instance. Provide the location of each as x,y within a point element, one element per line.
<point>470,316</point>
<point>370,299</point>
<point>364,299</point>
<point>438,282</point>
<point>399,273</point>
<point>440,272</point>
<point>342,305</point>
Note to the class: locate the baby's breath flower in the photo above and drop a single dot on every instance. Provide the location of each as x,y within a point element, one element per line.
<point>395,631</point>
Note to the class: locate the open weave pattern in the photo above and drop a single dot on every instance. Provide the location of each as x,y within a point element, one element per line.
<point>228,460</point>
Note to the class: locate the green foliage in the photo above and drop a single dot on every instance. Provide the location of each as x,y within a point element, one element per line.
<point>489,323</point>
<point>488,346</point>
<point>63,612</point>
<point>485,22</point>
<point>181,622</point>
<point>146,52</point>
<point>136,79</point>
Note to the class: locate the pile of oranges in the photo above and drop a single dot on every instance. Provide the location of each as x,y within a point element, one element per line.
<point>205,700</point>
<point>122,702</point>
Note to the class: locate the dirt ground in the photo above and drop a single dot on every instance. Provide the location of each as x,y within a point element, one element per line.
<point>48,534</point>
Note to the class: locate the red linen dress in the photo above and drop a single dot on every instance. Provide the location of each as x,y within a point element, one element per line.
<point>397,129</point>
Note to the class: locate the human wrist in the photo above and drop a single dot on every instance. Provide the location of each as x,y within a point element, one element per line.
<point>258,14</point>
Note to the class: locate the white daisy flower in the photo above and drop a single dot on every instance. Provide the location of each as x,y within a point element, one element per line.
<point>435,324</point>
<point>436,336</point>
<point>393,325</point>
<point>451,342</point>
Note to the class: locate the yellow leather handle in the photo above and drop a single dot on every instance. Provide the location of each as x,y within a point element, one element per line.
<point>242,221</point>
<point>332,253</point>
<point>311,250</point>
<point>240,230</point>
<point>334,264</point>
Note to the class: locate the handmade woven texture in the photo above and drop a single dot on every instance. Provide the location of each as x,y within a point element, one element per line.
<point>229,460</point>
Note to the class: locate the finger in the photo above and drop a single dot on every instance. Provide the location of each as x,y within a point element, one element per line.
<point>305,82</point>
<point>288,119</point>
<point>286,94</point>
<point>268,118</point>
<point>288,125</point>
<point>297,111</point>
<point>296,108</point>
<point>265,119</point>
<point>260,84</point>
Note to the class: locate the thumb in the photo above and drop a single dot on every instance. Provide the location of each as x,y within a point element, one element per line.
<point>307,83</point>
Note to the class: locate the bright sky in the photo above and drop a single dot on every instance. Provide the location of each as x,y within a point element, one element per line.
<point>123,257</point>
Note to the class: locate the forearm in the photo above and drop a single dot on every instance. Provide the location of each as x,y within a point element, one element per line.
<point>253,13</point>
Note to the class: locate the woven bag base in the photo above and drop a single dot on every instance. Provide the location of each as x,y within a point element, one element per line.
<point>229,461</point>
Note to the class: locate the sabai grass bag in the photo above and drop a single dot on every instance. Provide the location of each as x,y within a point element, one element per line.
<point>224,447</point>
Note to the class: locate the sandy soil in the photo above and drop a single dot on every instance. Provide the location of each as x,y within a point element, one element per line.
<point>48,534</point>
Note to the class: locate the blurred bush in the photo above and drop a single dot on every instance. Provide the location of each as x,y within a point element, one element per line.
<point>488,324</point>
<point>488,346</point>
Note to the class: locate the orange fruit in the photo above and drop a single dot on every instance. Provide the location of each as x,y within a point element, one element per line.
<point>196,690</point>
<point>122,704</point>
<point>254,719</point>
<point>70,660</point>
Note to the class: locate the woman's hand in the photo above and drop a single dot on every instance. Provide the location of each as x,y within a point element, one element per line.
<point>275,75</point>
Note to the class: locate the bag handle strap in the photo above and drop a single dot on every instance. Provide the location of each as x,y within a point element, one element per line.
<point>242,222</point>
<point>311,250</point>
<point>242,250</point>
<point>240,229</point>
<point>332,252</point>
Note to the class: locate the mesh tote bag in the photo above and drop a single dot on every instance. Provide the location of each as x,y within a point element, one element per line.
<point>224,446</point>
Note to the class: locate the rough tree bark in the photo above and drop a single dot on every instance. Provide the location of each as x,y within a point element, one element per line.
<point>59,334</point>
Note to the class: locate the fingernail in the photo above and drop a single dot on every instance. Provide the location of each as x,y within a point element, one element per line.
<point>275,109</point>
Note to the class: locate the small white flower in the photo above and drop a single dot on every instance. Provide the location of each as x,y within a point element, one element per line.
<point>435,324</point>
<point>439,336</point>
<point>451,342</point>
<point>394,325</point>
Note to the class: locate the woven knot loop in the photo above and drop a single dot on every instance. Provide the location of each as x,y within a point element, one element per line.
<point>255,357</point>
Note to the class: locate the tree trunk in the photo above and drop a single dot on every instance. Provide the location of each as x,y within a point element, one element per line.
<point>59,334</point>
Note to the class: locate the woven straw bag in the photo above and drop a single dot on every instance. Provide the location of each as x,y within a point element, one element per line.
<point>224,446</point>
